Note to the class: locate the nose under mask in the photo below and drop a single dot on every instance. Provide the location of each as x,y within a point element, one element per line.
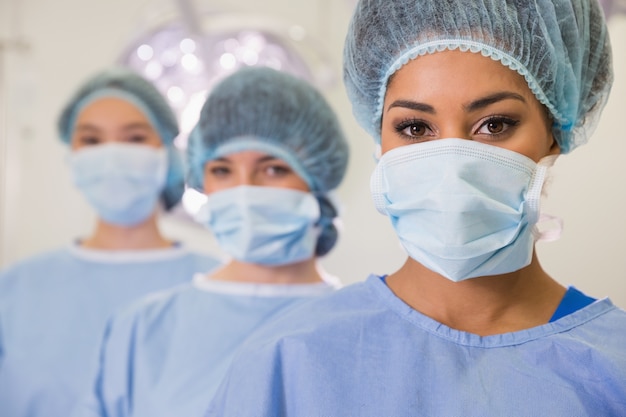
<point>461,208</point>
<point>263,225</point>
<point>122,182</point>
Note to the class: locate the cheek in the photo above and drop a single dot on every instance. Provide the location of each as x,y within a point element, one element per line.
<point>213,186</point>
<point>293,182</point>
<point>213,183</point>
<point>156,145</point>
<point>540,141</point>
<point>207,188</point>
<point>300,186</point>
<point>155,141</point>
<point>389,139</point>
<point>535,145</point>
<point>387,145</point>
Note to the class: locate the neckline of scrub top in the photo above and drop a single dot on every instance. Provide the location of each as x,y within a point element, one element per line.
<point>432,326</point>
<point>126,256</point>
<point>572,301</point>
<point>201,282</point>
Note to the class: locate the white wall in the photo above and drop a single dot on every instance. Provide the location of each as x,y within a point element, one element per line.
<point>70,39</point>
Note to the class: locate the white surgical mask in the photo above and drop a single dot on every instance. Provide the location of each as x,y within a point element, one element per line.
<point>263,225</point>
<point>122,182</point>
<point>461,208</point>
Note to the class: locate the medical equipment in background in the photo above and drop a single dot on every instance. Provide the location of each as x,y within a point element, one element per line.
<point>613,8</point>
<point>187,53</point>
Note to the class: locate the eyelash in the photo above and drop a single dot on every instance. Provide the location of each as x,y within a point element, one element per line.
<point>89,140</point>
<point>137,138</point>
<point>219,171</point>
<point>404,124</point>
<point>277,170</point>
<point>507,121</point>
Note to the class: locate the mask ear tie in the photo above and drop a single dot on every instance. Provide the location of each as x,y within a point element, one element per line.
<point>548,229</point>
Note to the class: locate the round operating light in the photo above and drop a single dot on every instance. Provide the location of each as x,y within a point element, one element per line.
<point>185,64</point>
<point>613,7</point>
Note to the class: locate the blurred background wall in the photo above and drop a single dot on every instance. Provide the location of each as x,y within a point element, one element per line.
<point>47,48</point>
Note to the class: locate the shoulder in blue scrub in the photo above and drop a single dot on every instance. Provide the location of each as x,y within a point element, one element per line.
<point>53,310</point>
<point>362,351</point>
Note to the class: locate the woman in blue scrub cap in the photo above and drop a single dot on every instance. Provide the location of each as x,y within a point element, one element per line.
<point>267,151</point>
<point>54,306</point>
<point>470,103</point>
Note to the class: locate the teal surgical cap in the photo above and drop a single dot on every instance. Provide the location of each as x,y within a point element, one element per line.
<point>127,85</point>
<point>270,111</point>
<point>560,47</point>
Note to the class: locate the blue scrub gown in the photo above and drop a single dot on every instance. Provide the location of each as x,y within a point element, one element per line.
<point>167,354</point>
<point>53,311</point>
<point>363,352</point>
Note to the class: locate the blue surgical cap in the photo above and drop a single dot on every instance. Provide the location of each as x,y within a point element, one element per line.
<point>127,85</point>
<point>270,111</point>
<point>560,47</point>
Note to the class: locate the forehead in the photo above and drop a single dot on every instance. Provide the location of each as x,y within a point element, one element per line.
<point>457,75</point>
<point>251,156</point>
<point>112,109</point>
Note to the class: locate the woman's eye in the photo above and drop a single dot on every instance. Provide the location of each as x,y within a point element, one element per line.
<point>89,140</point>
<point>496,126</point>
<point>219,171</point>
<point>413,129</point>
<point>277,170</point>
<point>136,138</point>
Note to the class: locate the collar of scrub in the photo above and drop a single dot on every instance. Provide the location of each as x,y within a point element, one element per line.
<point>126,256</point>
<point>564,324</point>
<point>204,283</point>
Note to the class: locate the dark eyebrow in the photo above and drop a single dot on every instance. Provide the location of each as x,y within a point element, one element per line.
<point>138,125</point>
<point>130,126</point>
<point>494,98</point>
<point>268,158</point>
<point>264,158</point>
<point>220,159</point>
<point>86,126</point>
<point>412,105</point>
<point>470,107</point>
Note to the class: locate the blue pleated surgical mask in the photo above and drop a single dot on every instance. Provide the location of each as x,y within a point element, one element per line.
<point>461,208</point>
<point>263,225</point>
<point>122,182</point>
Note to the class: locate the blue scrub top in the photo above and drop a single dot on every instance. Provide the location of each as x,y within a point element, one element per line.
<point>53,310</point>
<point>166,355</point>
<point>363,352</point>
